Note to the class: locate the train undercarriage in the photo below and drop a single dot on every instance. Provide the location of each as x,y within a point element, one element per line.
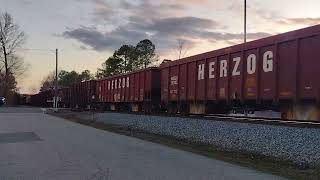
<point>308,110</point>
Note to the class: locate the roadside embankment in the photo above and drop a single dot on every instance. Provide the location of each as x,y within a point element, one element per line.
<point>286,151</point>
<point>299,145</point>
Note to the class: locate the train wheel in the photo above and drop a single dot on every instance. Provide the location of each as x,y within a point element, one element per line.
<point>172,108</point>
<point>302,112</point>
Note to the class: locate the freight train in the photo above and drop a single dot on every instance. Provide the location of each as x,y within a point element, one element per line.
<point>277,73</point>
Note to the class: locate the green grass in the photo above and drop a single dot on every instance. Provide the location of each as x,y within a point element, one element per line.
<point>261,163</point>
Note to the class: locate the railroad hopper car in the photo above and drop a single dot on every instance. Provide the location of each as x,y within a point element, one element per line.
<point>278,73</point>
<point>42,99</point>
<point>134,91</point>
<point>82,95</point>
<point>45,98</point>
<point>64,97</point>
<point>25,99</point>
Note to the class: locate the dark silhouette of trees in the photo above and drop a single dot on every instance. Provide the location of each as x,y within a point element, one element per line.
<point>11,66</point>
<point>112,66</point>
<point>128,58</point>
<point>5,85</point>
<point>86,75</point>
<point>127,55</point>
<point>146,54</point>
<point>65,79</point>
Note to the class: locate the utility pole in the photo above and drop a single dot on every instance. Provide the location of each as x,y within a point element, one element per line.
<point>245,21</point>
<point>55,102</point>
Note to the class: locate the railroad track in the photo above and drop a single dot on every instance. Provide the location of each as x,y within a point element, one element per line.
<point>223,117</point>
<point>241,119</point>
<point>244,119</point>
<point>262,120</point>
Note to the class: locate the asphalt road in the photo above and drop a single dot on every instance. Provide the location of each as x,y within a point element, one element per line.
<point>34,145</point>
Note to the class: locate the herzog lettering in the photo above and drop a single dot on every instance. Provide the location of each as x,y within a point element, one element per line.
<point>251,66</point>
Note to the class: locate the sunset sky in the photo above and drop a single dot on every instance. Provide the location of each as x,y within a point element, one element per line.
<point>86,32</point>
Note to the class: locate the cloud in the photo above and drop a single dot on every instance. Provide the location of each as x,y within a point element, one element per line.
<point>177,26</point>
<point>103,10</point>
<point>164,32</point>
<point>299,21</point>
<point>27,2</point>
<point>121,10</point>
<point>103,41</point>
<point>157,22</point>
<point>255,9</point>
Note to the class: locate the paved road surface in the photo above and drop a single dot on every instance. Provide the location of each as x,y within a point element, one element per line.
<point>34,145</point>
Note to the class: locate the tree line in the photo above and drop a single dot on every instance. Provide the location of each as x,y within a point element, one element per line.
<point>12,67</point>
<point>125,59</point>
<point>129,58</point>
<point>65,79</point>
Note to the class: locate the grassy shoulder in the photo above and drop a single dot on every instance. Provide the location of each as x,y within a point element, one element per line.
<point>260,163</point>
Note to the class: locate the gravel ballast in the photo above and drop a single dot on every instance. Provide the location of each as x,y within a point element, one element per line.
<point>299,145</point>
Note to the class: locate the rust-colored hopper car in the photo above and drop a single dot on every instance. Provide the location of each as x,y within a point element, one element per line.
<point>134,91</point>
<point>275,73</point>
<point>82,95</point>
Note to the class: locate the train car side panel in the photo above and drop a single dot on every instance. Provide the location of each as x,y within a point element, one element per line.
<point>141,86</point>
<point>201,80</point>
<point>173,84</point>
<point>223,74</point>
<point>98,92</point>
<point>191,74</point>
<point>164,85</point>
<point>182,82</point>
<point>212,79</point>
<point>267,83</point>
<point>147,85</point>
<point>108,90</point>
<point>251,71</point>
<point>156,85</point>
<point>236,73</point>
<point>287,67</point>
<point>127,88</point>
<point>132,87</point>
<point>137,87</point>
<point>309,64</point>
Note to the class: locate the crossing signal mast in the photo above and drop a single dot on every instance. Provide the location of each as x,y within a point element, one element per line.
<point>55,101</point>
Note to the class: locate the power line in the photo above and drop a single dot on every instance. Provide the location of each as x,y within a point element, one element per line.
<point>34,49</point>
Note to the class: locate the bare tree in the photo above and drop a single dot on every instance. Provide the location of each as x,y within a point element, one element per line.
<point>11,38</point>
<point>182,48</point>
<point>48,82</point>
<point>16,66</point>
<point>33,89</point>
